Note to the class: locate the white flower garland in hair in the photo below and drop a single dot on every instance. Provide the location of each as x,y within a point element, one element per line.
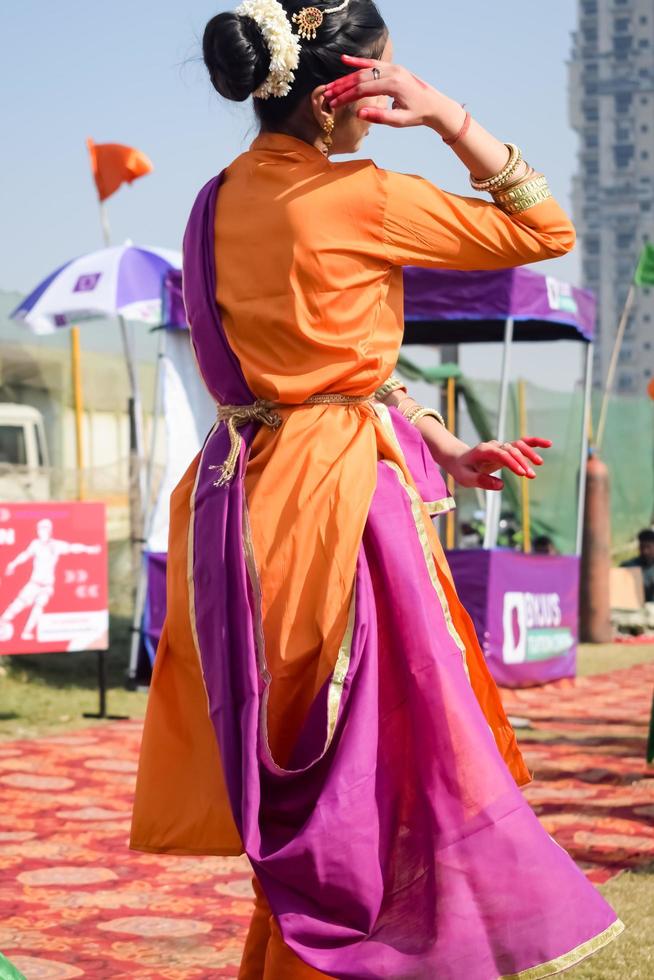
<point>283,44</point>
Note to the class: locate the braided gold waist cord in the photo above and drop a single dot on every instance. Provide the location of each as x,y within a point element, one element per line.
<point>265,412</point>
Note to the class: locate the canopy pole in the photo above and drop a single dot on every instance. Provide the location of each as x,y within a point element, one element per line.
<point>150,510</point>
<point>613,365</point>
<point>493,498</point>
<point>450,527</point>
<point>526,501</point>
<point>586,423</point>
<point>156,419</point>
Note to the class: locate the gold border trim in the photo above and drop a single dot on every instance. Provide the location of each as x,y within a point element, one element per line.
<point>570,959</point>
<point>417,510</point>
<point>436,507</point>
<point>262,666</point>
<point>335,693</point>
<point>190,552</point>
<point>383,414</point>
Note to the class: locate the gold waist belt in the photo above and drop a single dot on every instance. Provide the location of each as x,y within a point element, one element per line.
<point>266,413</point>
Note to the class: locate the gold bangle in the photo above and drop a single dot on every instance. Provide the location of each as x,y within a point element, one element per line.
<point>525,196</point>
<point>393,384</point>
<point>417,414</point>
<point>402,401</point>
<point>533,181</point>
<point>487,184</point>
<point>529,174</point>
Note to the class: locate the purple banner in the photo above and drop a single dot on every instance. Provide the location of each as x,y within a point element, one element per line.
<point>442,295</point>
<point>525,611</point>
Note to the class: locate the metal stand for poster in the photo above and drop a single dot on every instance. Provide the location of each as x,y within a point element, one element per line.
<point>101,713</point>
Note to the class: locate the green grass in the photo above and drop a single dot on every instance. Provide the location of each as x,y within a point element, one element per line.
<point>51,692</point>
<point>602,658</point>
<point>631,956</point>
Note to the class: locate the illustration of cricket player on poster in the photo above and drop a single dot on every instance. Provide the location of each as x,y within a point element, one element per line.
<point>53,587</point>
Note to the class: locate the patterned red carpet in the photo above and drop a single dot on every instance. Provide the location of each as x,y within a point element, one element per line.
<point>592,789</point>
<point>74,902</point>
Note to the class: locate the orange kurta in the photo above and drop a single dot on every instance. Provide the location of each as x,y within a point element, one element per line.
<point>309,285</point>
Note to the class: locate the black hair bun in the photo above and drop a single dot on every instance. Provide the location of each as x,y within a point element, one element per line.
<point>236,55</point>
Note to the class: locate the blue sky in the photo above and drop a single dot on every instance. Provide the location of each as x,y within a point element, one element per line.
<point>129,71</point>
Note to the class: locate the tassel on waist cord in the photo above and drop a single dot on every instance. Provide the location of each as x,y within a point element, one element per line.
<point>265,412</point>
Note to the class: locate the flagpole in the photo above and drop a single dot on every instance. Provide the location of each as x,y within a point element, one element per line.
<point>104,221</point>
<point>613,365</point>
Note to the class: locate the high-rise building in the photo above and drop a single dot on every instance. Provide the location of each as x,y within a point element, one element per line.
<point>612,110</point>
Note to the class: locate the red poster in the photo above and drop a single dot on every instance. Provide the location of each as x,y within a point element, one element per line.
<point>53,578</point>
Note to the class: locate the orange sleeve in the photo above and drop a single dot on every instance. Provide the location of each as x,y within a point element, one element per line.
<point>426,226</point>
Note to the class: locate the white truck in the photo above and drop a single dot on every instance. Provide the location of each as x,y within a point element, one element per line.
<point>24,462</point>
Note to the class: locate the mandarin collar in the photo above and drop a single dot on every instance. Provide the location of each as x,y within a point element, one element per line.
<point>289,146</point>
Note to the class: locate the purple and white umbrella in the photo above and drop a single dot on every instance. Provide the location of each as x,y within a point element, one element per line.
<point>124,280</point>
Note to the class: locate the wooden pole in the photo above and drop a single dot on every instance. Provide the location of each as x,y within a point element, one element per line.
<point>526,501</point>
<point>450,532</point>
<point>78,404</point>
<point>613,366</point>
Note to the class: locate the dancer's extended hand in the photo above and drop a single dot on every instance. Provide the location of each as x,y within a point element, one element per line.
<point>415,103</point>
<point>474,467</point>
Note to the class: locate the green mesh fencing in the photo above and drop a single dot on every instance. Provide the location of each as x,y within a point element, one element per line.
<point>628,452</point>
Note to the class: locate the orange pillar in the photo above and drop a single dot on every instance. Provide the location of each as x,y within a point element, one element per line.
<point>594,600</point>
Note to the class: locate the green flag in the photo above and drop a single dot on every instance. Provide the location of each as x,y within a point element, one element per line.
<point>645,271</point>
<point>9,972</point>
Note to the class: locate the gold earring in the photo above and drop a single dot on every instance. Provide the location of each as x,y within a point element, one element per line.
<point>328,133</point>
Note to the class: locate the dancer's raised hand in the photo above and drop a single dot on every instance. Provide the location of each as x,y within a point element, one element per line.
<point>415,103</point>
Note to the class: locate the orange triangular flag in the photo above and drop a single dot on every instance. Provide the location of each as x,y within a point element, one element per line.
<point>114,165</point>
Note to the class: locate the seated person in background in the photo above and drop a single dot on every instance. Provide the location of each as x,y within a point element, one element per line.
<point>543,545</point>
<point>645,561</point>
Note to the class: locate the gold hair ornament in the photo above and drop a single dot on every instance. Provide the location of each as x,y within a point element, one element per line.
<point>309,20</point>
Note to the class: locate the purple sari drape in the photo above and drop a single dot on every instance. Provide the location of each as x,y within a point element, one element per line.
<point>399,846</point>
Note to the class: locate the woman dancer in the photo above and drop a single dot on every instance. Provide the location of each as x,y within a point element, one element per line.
<point>320,701</point>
